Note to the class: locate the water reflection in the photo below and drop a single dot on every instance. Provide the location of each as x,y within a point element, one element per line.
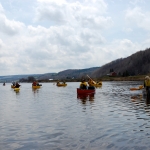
<point>86,97</point>
<point>35,90</point>
<point>113,118</point>
<point>136,97</point>
<point>17,92</point>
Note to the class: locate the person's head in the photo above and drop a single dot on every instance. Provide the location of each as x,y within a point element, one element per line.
<point>83,80</point>
<point>147,78</point>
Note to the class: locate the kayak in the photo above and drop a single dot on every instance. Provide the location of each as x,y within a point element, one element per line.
<point>61,84</point>
<point>36,87</point>
<point>133,89</point>
<point>16,89</point>
<point>85,91</point>
<point>99,84</point>
<point>139,88</point>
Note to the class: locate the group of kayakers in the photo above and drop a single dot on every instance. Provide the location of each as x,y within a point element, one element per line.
<point>84,85</point>
<point>17,85</point>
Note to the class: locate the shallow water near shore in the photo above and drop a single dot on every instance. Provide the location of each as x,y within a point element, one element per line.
<point>56,118</point>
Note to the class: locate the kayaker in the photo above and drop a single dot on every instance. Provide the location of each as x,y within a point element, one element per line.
<point>147,86</point>
<point>90,83</point>
<point>37,83</point>
<point>83,84</point>
<point>17,85</point>
<point>58,82</point>
<point>146,81</point>
<point>34,83</point>
<point>13,83</point>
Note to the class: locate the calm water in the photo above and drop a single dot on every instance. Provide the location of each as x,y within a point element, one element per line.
<point>53,118</point>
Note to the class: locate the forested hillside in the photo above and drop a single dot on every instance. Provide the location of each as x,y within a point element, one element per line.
<point>69,74</point>
<point>136,64</point>
<point>63,75</point>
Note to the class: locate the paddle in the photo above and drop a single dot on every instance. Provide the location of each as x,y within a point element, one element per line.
<point>91,79</point>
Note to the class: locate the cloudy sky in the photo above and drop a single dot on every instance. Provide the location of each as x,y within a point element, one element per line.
<point>43,36</point>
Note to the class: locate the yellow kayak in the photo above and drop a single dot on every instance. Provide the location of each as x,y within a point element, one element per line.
<point>99,84</point>
<point>36,87</point>
<point>61,84</point>
<point>16,89</point>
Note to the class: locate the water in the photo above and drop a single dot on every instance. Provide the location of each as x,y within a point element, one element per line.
<point>53,118</point>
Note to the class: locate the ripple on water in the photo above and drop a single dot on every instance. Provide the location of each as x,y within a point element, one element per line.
<point>57,118</point>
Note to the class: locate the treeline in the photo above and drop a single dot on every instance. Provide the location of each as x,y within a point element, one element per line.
<point>136,64</point>
<point>28,79</point>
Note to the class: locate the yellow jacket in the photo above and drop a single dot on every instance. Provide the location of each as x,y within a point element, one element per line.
<point>83,83</point>
<point>147,82</point>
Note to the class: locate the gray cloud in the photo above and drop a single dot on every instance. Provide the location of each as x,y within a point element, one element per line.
<point>70,34</point>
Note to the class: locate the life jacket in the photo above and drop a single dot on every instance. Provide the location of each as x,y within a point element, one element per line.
<point>34,84</point>
<point>147,82</point>
<point>83,85</point>
<point>17,85</point>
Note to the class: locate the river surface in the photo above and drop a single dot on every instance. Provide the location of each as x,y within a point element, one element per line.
<point>55,118</point>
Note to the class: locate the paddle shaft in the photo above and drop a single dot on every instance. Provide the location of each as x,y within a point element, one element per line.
<point>92,80</point>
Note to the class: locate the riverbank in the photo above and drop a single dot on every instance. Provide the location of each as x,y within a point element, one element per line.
<point>106,78</point>
<point>129,78</point>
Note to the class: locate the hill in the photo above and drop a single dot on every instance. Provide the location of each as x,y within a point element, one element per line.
<point>63,75</point>
<point>68,74</point>
<point>11,78</point>
<point>136,64</point>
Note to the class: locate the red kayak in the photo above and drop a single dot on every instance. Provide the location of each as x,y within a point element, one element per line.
<point>85,91</point>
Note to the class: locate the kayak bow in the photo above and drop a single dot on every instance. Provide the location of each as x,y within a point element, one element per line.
<point>36,87</point>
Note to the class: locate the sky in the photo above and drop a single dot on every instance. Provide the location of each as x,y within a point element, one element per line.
<point>47,36</point>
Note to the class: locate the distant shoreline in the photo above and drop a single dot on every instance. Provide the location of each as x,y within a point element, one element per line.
<point>130,78</point>
<point>106,78</point>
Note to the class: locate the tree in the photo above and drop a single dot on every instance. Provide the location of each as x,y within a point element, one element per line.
<point>23,80</point>
<point>119,74</point>
<point>126,73</point>
<point>111,70</point>
<point>31,79</point>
